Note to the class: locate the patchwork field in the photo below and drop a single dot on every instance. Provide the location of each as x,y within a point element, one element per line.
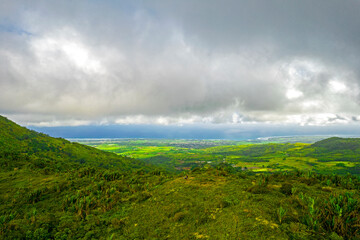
<point>255,156</point>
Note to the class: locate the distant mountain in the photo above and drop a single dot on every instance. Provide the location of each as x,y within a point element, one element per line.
<point>20,146</point>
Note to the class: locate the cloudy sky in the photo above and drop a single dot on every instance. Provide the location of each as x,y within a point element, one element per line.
<point>91,62</point>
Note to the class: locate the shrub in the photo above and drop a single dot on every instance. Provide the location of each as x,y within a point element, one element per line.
<point>340,214</point>
<point>179,216</point>
<point>311,216</point>
<point>286,189</point>
<point>281,213</point>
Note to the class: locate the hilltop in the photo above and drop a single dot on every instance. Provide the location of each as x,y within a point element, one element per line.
<point>335,144</point>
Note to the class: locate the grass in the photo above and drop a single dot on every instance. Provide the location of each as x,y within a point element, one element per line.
<point>212,203</point>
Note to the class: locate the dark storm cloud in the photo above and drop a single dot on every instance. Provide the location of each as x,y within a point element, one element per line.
<point>74,63</point>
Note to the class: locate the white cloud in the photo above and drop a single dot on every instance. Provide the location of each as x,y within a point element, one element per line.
<point>65,46</point>
<point>293,94</point>
<point>337,86</point>
<point>157,62</point>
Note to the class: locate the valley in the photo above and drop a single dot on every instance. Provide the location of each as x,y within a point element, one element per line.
<point>255,156</point>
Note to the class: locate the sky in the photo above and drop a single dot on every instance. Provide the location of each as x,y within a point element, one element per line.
<point>229,63</point>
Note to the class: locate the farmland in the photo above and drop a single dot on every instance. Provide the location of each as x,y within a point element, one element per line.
<point>256,156</point>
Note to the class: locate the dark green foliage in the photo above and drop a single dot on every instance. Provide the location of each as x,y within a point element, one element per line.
<point>286,189</point>
<point>281,213</point>
<point>338,144</point>
<point>94,202</point>
<point>20,147</point>
<point>336,149</point>
<point>340,214</point>
<point>260,185</point>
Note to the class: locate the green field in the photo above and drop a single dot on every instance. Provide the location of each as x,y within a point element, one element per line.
<point>179,155</point>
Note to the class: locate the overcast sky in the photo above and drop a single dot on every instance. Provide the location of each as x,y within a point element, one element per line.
<point>66,63</point>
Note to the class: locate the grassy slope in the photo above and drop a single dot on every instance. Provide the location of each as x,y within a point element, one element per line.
<point>21,147</point>
<point>210,204</point>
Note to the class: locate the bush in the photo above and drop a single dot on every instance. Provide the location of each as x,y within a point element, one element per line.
<point>280,212</point>
<point>179,216</point>
<point>341,214</point>
<point>286,189</point>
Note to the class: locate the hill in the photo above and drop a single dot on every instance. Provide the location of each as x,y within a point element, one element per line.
<point>336,144</point>
<point>343,151</point>
<point>54,189</point>
<point>21,147</point>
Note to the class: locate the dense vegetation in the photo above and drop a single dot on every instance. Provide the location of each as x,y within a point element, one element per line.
<point>20,147</point>
<point>53,189</point>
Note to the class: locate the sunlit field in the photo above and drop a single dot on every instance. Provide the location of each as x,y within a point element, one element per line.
<point>178,155</point>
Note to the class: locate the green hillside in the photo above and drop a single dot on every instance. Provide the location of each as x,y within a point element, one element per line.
<point>20,147</point>
<point>54,189</point>
<point>335,144</point>
<point>342,151</point>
